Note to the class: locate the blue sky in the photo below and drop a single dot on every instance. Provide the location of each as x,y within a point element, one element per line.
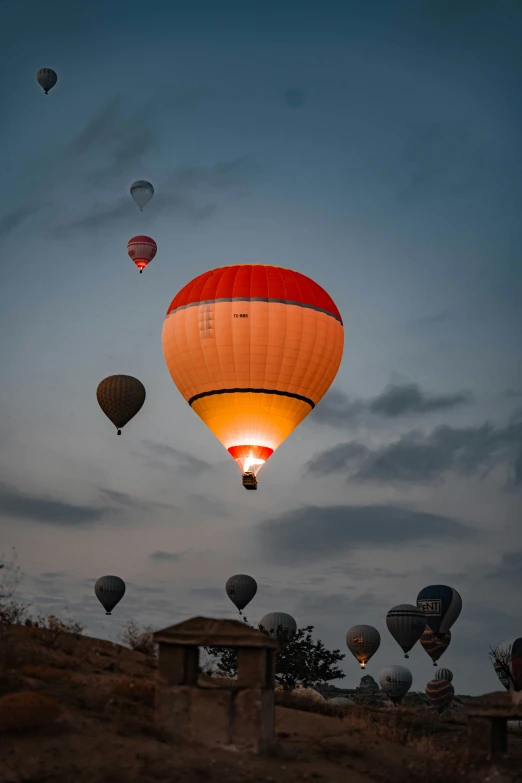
<point>395,184</point>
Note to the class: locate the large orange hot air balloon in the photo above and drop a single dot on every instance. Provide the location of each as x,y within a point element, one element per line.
<point>252,348</point>
<point>142,250</point>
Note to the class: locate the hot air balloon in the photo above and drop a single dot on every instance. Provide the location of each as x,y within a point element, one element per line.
<point>396,682</point>
<point>440,693</point>
<point>302,692</point>
<point>441,606</point>
<point>363,641</point>
<point>406,624</point>
<point>241,588</point>
<point>120,397</point>
<point>252,348</point>
<point>142,192</point>
<point>142,250</point>
<point>279,622</point>
<point>507,661</point>
<point>109,591</point>
<point>435,644</point>
<point>46,78</point>
<point>444,674</point>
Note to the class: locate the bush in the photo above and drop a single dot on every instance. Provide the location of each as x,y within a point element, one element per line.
<point>11,612</point>
<point>49,629</point>
<point>139,639</point>
<point>138,691</point>
<point>45,673</point>
<point>27,710</point>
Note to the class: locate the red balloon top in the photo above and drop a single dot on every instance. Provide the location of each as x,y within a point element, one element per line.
<point>255,282</point>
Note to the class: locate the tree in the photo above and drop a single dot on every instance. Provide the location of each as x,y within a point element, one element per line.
<point>501,659</point>
<point>11,611</point>
<point>299,660</point>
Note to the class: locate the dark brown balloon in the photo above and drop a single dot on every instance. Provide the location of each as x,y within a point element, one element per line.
<point>120,397</point>
<point>440,693</point>
<point>435,644</point>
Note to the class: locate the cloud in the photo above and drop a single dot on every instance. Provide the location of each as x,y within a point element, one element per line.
<point>23,505</point>
<point>397,399</point>
<point>129,501</point>
<point>510,568</point>
<point>188,193</point>
<point>423,458</point>
<point>12,220</point>
<point>402,399</point>
<point>311,532</point>
<point>211,593</point>
<point>163,557</point>
<point>186,463</point>
<point>200,504</point>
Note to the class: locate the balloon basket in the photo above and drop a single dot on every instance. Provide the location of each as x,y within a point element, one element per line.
<point>249,481</point>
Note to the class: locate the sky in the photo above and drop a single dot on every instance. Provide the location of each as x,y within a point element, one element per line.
<point>373,146</point>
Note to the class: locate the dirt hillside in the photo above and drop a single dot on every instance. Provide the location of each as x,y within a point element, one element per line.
<point>82,709</point>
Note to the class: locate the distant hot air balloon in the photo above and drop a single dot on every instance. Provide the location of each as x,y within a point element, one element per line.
<point>109,591</point>
<point>441,606</point>
<point>363,641</point>
<point>302,692</point>
<point>142,192</point>
<point>396,682</point>
<point>435,644</point>
<point>406,623</point>
<point>46,78</point>
<point>241,588</point>
<point>507,662</point>
<point>252,348</point>
<point>279,621</point>
<point>440,693</point>
<point>142,250</point>
<point>120,397</point>
<point>444,674</point>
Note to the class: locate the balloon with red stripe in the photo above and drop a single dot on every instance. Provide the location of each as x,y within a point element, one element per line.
<point>252,348</point>
<point>142,250</point>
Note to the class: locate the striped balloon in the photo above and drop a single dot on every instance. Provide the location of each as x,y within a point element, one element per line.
<point>252,348</point>
<point>507,661</point>
<point>435,644</point>
<point>440,693</point>
<point>444,674</point>
<point>142,250</point>
<point>46,78</point>
<point>363,641</point>
<point>406,623</point>
<point>396,682</point>
<point>241,588</point>
<point>109,591</point>
<point>277,623</point>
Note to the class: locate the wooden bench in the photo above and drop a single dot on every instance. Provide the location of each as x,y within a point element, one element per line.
<point>487,718</point>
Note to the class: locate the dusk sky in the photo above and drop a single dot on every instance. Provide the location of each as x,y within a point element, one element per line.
<point>393,179</point>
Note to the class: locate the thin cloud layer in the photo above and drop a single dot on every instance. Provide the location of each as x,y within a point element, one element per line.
<point>338,409</point>
<point>186,463</point>
<point>15,218</point>
<point>417,457</point>
<point>38,508</point>
<point>313,532</point>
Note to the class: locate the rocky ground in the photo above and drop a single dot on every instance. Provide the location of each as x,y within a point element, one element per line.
<point>82,710</point>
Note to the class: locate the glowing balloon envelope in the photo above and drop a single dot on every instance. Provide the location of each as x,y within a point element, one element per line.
<point>363,642</point>
<point>142,250</point>
<point>109,591</point>
<point>46,78</point>
<point>241,588</point>
<point>120,397</point>
<point>252,348</point>
<point>142,192</point>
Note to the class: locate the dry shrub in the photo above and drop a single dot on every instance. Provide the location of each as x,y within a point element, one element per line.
<point>27,710</point>
<point>50,630</point>
<point>139,639</point>
<point>138,691</point>
<point>45,673</point>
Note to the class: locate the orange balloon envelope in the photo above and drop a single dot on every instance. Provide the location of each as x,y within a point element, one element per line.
<point>252,348</point>
<point>142,250</point>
